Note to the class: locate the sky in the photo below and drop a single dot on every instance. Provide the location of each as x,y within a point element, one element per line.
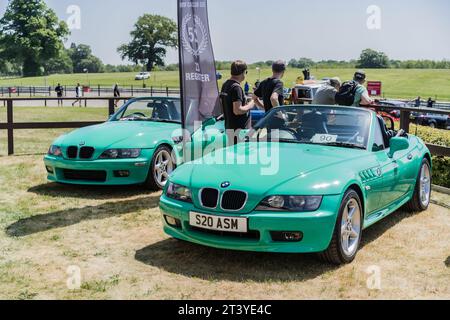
<point>256,30</point>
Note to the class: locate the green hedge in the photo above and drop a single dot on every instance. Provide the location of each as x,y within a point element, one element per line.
<point>441,165</point>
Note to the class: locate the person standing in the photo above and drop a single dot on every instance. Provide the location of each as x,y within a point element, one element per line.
<point>430,103</point>
<point>354,93</point>
<point>116,95</point>
<point>361,94</point>
<point>246,88</point>
<point>77,95</point>
<point>326,95</point>
<point>271,90</point>
<point>235,109</point>
<point>59,93</point>
<point>418,102</point>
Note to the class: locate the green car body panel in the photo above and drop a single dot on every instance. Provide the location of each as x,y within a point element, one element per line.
<point>385,184</point>
<point>147,136</point>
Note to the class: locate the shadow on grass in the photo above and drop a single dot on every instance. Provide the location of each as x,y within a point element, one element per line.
<point>447,262</point>
<point>65,218</point>
<point>214,265</point>
<point>58,190</point>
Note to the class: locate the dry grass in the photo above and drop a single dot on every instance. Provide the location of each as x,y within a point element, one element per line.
<point>114,236</point>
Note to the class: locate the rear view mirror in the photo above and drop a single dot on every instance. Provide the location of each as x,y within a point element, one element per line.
<point>398,144</point>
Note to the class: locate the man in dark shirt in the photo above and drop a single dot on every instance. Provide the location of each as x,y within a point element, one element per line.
<point>59,93</point>
<point>235,109</point>
<point>271,89</point>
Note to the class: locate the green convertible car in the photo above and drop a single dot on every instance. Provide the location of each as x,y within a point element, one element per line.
<point>331,173</point>
<point>133,147</point>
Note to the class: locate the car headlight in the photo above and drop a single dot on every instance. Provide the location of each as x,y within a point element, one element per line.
<point>290,203</point>
<point>55,151</point>
<point>179,192</point>
<point>121,154</point>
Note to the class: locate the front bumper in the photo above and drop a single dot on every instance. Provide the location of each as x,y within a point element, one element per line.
<point>317,228</point>
<point>138,170</point>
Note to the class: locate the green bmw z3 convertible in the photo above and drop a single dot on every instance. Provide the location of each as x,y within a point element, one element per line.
<point>308,179</point>
<point>133,147</point>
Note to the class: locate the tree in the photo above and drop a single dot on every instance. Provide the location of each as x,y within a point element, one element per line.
<point>83,59</point>
<point>301,63</point>
<point>31,34</point>
<point>151,37</point>
<point>373,59</point>
<point>61,64</point>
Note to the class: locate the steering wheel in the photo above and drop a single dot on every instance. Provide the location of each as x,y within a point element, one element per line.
<point>135,115</point>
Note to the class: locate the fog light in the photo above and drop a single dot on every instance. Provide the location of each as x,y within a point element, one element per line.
<point>287,236</point>
<point>49,169</point>
<point>122,174</point>
<point>173,222</point>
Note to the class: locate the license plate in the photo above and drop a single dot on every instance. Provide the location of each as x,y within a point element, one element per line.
<point>216,223</point>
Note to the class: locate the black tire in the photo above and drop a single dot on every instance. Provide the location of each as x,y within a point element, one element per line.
<point>152,183</point>
<point>415,204</point>
<point>335,253</point>
<point>433,125</point>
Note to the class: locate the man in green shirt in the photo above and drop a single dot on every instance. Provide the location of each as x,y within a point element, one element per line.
<point>361,94</point>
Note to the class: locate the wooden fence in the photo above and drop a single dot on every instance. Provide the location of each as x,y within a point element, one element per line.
<point>10,125</point>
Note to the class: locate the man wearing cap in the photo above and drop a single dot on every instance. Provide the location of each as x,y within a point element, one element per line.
<point>271,90</point>
<point>327,93</point>
<point>361,94</point>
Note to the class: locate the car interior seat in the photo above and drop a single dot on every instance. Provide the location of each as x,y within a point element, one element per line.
<point>160,111</point>
<point>313,123</point>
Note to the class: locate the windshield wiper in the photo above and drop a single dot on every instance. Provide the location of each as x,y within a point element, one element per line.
<point>344,145</point>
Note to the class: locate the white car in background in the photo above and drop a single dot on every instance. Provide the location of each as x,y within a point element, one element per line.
<point>142,76</point>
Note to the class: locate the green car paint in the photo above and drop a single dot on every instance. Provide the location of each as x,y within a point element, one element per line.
<point>385,180</point>
<point>147,136</point>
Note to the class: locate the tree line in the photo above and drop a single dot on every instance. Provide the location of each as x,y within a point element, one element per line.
<point>32,44</point>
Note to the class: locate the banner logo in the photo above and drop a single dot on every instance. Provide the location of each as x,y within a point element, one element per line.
<point>195,37</point>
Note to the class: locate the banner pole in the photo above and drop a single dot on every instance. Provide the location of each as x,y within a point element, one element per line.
<point>180,68</point>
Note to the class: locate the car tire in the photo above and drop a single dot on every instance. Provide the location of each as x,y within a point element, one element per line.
<point>422,190</point>
<point>161,166</point>
<point>343,252</point>
<point>432,125</point>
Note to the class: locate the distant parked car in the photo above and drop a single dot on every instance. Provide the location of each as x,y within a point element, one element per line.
<point>431,120</point>
<point>142,76</point>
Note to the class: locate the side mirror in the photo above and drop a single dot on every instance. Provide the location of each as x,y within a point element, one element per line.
<point>398,144</point>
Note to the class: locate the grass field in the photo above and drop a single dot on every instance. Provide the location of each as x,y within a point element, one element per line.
<point>397,83</point>
<point>114,238</point>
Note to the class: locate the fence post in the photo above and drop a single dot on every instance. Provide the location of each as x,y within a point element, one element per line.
<point>18,91</point>
<point>99,90</point>
<point>167,91</point>
<point>132,90</point>
<point>405,120</point>
<point>31,92</point>
<point>151,91</point>
<point>49,91</point>
<point>10,123</point>
<point>111,109</point>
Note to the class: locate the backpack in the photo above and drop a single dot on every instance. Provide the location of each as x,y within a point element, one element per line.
<point>346,94</point>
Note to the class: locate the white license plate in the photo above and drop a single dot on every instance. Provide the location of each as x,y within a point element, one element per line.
<point>215,223</point>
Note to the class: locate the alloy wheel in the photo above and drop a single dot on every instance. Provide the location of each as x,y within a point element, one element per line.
<point>351,227</point>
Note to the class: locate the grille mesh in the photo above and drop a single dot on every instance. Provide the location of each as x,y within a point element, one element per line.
<point>84,175</point>
<point>209,198</point>
<point>233,200</point>
<point>86,152</point>
<point>72,152</point>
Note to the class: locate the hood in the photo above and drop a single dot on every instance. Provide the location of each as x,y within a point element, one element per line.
<point>294,168</point>
<point>117,134</point>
